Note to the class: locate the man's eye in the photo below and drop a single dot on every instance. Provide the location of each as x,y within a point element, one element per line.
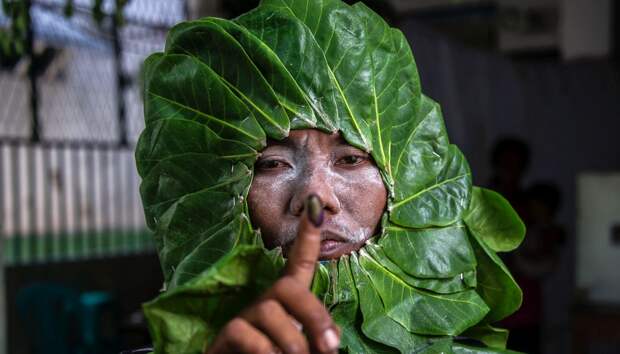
<point>270,164</point>
<point>351,160</point>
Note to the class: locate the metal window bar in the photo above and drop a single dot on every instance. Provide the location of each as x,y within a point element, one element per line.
<point>73,202</point>
<point>68,182</point>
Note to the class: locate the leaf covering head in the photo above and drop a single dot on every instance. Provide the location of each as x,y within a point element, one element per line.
<point>222,87</point>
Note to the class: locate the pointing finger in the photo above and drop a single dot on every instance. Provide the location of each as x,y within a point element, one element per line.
<point>306,249</point>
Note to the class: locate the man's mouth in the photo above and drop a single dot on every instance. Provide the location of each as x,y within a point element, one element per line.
<point>334,245</point>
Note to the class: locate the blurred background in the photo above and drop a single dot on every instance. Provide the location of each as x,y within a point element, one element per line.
<point>530,91</point>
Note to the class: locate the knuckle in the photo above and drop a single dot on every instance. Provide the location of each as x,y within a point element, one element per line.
<point>285,284</point>
<point>234,327</point>
<point>319,319</point>
<point>296,347</point>
<point>263,347</point>
<point>267,308</point>
<point>305,264</point>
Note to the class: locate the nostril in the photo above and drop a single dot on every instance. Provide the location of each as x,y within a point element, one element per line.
<point>296,206</point>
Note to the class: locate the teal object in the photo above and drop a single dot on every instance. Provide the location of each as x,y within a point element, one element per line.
<point>47,311</point>
<point>52,312</point>
<point>92,306</point>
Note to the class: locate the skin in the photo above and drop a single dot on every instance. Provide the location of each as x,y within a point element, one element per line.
<point>288,318</point>
<point>312,162</point>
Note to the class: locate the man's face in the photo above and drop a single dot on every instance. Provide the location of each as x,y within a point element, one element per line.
<point>312,162</point>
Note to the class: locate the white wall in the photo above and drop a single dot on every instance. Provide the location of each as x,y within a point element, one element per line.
<point>598,259</point>
<point>586,28</point>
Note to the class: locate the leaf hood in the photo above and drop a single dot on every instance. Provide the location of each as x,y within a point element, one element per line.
<point>222,87</point>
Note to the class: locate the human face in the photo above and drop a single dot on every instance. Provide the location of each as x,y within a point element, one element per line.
<point>312,162</point>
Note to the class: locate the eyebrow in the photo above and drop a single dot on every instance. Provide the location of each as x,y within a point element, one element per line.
<point>287,142</point>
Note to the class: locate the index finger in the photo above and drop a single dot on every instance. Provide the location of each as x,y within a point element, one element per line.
<point>307,246</point>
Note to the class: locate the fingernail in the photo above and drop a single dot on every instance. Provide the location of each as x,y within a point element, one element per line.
<point>329,340</point>
<point>315,210</point>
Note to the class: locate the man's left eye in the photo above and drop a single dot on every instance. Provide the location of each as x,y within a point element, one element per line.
<point>351,160</point>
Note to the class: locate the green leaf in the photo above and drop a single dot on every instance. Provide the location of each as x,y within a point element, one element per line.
<point>211,46</point>
<point>466,349</point>
<point>183,319</point>
<point>179,86</point>
<point>441,201</point>
<point>491,218</point>
<point>292,97</point>
<point>420,311</point>
<point>419,147</point>
<point>211,249</point>
<point>97,11</point>
<point>167,138</point>
<point>378,325</point>
<point>189,221</point>
<point>68,9</point>
<point>451,285</point>
<point>296,52</point>
<point>429,253</point>
<point>346,311</point>
<point>495,283</point>
<point>491,336</point>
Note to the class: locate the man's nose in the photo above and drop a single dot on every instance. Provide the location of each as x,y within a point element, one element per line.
<point>315,179</point>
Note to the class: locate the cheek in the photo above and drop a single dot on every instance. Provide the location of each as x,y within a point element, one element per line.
<point>364,196</point>
<point>267,201</point>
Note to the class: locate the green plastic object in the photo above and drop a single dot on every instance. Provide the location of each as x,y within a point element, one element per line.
<point>213,97</point>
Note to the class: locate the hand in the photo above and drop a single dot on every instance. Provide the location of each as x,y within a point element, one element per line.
<point>272,324</point>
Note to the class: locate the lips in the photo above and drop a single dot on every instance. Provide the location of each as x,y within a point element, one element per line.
<point>333,245</point>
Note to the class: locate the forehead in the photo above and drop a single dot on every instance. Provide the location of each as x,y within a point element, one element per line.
<point>310,138</point>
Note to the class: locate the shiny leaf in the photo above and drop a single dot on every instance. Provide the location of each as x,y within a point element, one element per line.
<point>495,283</point>
<point>491,218</point>
<point>420,311</point>
<point>490,336</point>
<point>429,253</point>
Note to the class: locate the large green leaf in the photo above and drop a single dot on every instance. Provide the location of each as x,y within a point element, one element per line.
<point>212,46</point>
<point>345,311</point>
<point>172,137</point>
<point>451,285</point>
<point>466,349</point>
<point>182,319</point>
<point>495,283</point>
<point>439,202</point>
<point>429,253</point>
<point>212,248</point>
<point>420,311</point>
<point>377,324</point>
<point>491,218</point>
<point>490,336</point>
<point>180,86</point>
<point>189,221</point>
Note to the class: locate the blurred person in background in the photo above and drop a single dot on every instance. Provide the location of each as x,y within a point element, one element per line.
<point>536,258</point>
<point>510,159</point>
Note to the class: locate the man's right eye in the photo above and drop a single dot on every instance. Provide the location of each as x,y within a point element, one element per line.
<point>270,164</point>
